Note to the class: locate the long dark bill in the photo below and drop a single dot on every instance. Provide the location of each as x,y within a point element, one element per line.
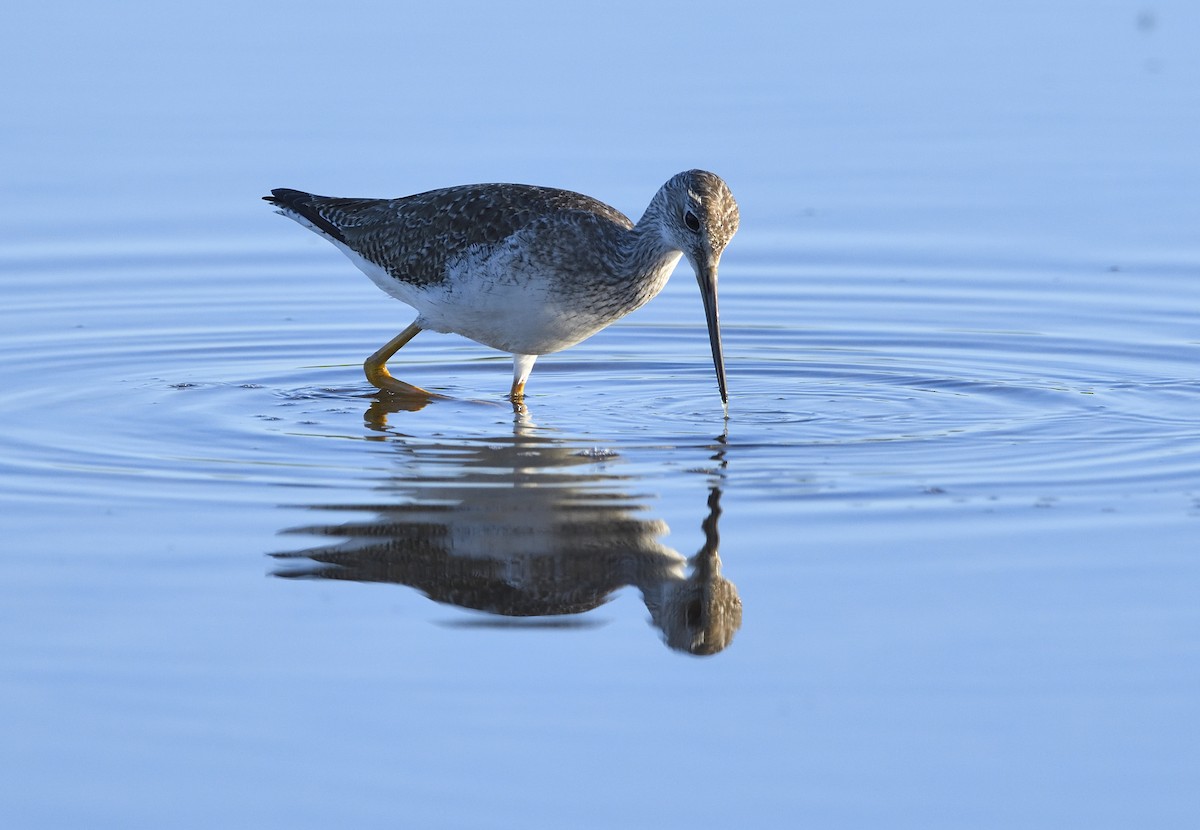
<point>707,277</point>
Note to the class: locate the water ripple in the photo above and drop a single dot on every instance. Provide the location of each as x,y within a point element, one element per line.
<point>894,381</point>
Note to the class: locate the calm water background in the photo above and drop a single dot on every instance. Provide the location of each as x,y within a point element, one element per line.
<point>958,493</point>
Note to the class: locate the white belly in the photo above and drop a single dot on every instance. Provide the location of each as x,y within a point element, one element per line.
<point>498,298</point>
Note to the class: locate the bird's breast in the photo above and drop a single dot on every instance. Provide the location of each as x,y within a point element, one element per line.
<point>505,299</point>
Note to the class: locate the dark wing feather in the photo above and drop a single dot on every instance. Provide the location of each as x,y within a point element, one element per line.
<point>414,237</point>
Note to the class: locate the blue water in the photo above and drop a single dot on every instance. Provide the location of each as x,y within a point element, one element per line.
<point>947,533</point>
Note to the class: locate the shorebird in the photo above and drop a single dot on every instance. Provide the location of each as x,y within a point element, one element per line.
<point>524,269</point>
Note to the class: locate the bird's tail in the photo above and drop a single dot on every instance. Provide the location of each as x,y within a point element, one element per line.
<point>301,206</point>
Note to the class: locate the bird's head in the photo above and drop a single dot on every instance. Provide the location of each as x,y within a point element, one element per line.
<point>701,216</point>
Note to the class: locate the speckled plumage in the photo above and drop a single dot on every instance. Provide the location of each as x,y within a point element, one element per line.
<point>524,269</point>
<point>414,237</point>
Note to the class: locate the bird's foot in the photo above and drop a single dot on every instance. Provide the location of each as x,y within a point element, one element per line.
<point>382,380</point>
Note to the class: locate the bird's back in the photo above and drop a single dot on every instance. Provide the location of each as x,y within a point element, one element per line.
<point>412,238</point>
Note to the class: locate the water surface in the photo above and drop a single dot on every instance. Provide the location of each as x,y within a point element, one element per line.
<point>935,569</point>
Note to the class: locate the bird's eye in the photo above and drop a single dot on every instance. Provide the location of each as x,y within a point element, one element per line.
<point>691,221</point>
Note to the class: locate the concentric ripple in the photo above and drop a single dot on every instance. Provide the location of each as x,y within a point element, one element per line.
<point>876,383</point>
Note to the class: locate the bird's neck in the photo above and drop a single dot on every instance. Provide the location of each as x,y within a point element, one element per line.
<point>648,257</point>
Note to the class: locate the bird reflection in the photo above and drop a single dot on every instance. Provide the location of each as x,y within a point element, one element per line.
<point>526,527</point>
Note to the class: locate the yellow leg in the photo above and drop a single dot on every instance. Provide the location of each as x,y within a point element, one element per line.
<point>381,378</point>
<point>522,366</point>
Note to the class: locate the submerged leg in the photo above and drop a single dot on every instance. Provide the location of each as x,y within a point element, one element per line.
<point>522,366</point>
<point>377,371</point>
